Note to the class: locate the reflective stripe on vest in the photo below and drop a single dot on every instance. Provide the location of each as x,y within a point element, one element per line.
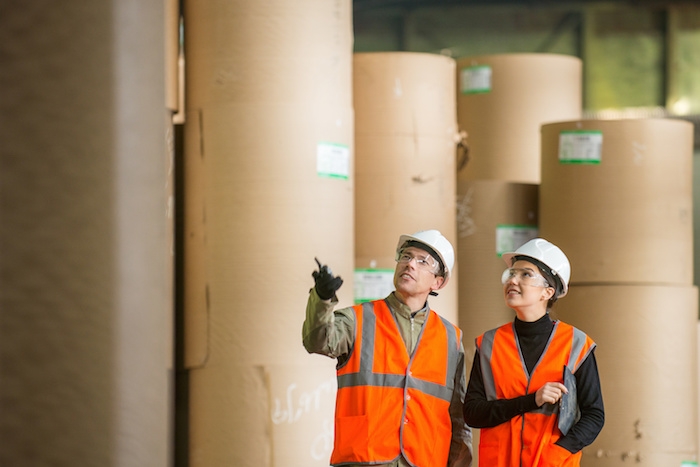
<point>526,437</point>
<point>391,403</point>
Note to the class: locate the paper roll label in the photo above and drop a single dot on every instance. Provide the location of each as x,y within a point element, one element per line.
<point>373,284</point>
<point>580,146</point>
<point>476,79</point>
<point>333,160</point>
<point>510,237</point>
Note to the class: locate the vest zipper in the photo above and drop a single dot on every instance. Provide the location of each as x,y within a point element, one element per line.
<point>522,426</point>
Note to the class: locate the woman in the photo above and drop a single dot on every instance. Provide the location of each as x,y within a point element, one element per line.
<point>516,383</point>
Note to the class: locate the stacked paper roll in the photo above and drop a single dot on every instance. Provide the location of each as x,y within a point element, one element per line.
<point>405,136</point>
<point>269,186</point>
<point>647,349</point>
<point>616,196</point>
<point>492,217</point>
<point>502,102</point>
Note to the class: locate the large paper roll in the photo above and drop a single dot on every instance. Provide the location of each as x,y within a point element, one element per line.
<point>647,360</point>
<point>269,186</point>
<point>272,51</point>
<point>502,102</point>
<point>287,401</point>
<point>616,196</point>
<point>405,171</point>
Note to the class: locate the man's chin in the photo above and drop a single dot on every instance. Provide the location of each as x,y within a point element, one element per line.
<point>406,289</point>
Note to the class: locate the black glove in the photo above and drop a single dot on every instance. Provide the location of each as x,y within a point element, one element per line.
<point>326,283</point>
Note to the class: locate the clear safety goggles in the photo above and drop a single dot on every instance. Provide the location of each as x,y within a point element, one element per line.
<point>524,277</point>
<point>422,261</point>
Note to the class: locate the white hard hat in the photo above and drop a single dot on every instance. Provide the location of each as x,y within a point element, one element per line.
<point>436,243</point>
<point>548,255</point>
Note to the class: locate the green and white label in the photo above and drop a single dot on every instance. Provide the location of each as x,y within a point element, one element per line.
<point>373,284</point>
<point>580,146</point>
<point>511,237</point>
<point>333,160</point>
<point>475,79</point>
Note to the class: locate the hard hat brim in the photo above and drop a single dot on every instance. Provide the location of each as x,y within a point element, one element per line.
<point>447,265</point>
<point>510,256</point>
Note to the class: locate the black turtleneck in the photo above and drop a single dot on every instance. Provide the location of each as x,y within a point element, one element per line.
<point>533,338</point>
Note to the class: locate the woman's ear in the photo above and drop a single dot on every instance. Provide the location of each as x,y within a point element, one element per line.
<point>547,293</point>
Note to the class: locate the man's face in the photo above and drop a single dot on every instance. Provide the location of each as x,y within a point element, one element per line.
<point>416,273</point>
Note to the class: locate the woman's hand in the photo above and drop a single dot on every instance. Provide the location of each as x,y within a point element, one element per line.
<point>550,393</point>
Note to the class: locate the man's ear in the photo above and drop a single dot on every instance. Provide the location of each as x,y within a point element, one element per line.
<point>439,280</point>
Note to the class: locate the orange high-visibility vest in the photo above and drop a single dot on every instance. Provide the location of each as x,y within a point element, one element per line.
<point>527,440</point>
<point>389,402</point>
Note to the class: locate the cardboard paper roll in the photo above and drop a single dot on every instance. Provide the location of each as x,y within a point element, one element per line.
<point>272,51</point>
<point>616,196</point>
<point>492,217</point>
<point>288,409</point>
<point>647,360</point>
<point>269,183</point>
<point>253,208</point>
<point>404,93</point>
<point>502,102</point>
<point>405,158</point>
<point>257,213</point>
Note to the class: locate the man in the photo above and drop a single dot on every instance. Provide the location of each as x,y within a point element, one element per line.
<point>401,373</point>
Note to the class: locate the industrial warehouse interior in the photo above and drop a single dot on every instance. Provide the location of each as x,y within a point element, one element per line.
<point>174,172</point>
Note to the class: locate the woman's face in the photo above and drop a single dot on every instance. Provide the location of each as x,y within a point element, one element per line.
<point>526,291</point>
